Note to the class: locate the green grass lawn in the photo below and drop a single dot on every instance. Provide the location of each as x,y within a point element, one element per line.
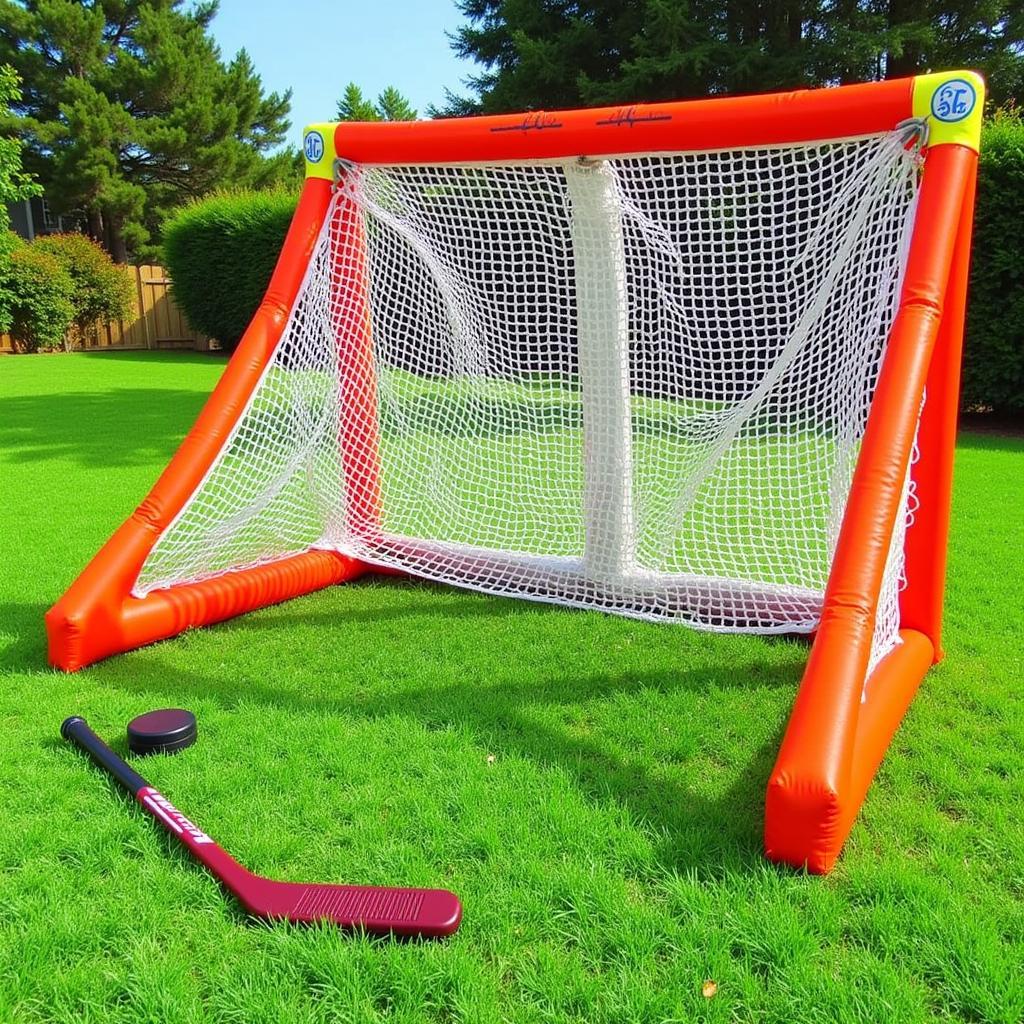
<point>591,786</point>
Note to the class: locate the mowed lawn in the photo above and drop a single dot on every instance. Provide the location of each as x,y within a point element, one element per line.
<point>591,786</point>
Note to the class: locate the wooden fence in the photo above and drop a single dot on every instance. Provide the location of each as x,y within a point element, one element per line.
<point>157,321</point>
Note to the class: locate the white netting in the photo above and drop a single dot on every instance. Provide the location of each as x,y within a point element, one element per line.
<point>636,384</point>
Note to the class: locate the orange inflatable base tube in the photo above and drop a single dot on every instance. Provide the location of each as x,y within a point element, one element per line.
<point>808,812</point>
<point>86,626</point>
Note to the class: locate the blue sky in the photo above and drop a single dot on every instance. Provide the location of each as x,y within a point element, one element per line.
<point>317,46</point>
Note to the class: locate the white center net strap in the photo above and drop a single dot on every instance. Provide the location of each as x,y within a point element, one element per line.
<point>637,384</point>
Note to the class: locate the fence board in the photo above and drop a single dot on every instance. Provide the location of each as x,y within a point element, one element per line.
<point>156,322</point>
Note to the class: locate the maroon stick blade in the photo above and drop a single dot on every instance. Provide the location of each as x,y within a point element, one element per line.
<point>380,910</point>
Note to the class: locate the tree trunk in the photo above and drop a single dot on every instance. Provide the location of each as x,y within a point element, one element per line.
<point>732,23</point>
<point>95,224</point>
<point>116,245</point>
<point>795,24</point>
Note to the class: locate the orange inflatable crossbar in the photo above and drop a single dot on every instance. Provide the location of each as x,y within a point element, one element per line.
<point>728,122</point>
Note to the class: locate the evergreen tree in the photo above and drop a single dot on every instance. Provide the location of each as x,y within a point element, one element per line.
<point>564,53</point>
<point>129,110</point>
<point>354,106</point>
<point>15,185</point>
<point>391,105</point>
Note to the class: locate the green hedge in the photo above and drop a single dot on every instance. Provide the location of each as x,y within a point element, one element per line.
<point>220,253</point>
<point>994,355</point>
<point>55,281</point>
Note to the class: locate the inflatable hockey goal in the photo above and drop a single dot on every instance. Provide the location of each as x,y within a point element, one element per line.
<point>690,362</point>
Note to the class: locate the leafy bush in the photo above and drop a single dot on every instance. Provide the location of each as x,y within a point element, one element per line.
<point>9,242</point>
<point>220,253</point>
<point>102,292</point>
<point>994,355</point>
<point>40,294</point>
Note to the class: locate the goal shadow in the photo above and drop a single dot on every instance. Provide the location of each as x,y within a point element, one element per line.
<point>693,826</point>
<point>30,432</point>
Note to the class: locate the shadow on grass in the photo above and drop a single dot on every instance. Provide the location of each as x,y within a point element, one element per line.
<point>179,357</point>
<point>26,652</point>
<point>119,427</point>
<point>712,835</point>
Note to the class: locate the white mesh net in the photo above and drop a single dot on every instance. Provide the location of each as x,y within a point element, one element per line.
<point>637,384</point>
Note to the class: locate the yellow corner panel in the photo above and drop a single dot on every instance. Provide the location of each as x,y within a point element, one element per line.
<point>318,149</point>
<point>951,102</point>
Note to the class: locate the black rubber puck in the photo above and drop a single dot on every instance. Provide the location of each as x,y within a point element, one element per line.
<point>162,732</point>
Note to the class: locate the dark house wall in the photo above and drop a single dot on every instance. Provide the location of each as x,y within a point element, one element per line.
<point>33,217</point>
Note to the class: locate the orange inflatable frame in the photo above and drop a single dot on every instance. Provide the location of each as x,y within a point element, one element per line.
<point>835,738</point>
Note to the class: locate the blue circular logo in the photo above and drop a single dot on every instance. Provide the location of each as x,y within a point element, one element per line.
<point>953,100</point>
<point>313,145</point>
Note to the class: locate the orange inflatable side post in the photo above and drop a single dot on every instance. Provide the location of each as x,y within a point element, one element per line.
<point>927,539</point>
<point>834,742</point>
<point>358,441</point>
<point>98,616</point>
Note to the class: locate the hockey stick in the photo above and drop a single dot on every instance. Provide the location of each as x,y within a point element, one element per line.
<point>380,910</point>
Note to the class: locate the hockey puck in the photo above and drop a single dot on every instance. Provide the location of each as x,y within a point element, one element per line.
<point>162,732</point>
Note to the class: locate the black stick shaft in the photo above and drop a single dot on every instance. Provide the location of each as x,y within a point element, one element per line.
<point>77,731</point>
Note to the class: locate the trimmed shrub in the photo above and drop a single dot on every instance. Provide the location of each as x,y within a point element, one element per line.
<point>41,291</point>
<point>220,253</point>
<point>102,292</point>
<point>994,354</point>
